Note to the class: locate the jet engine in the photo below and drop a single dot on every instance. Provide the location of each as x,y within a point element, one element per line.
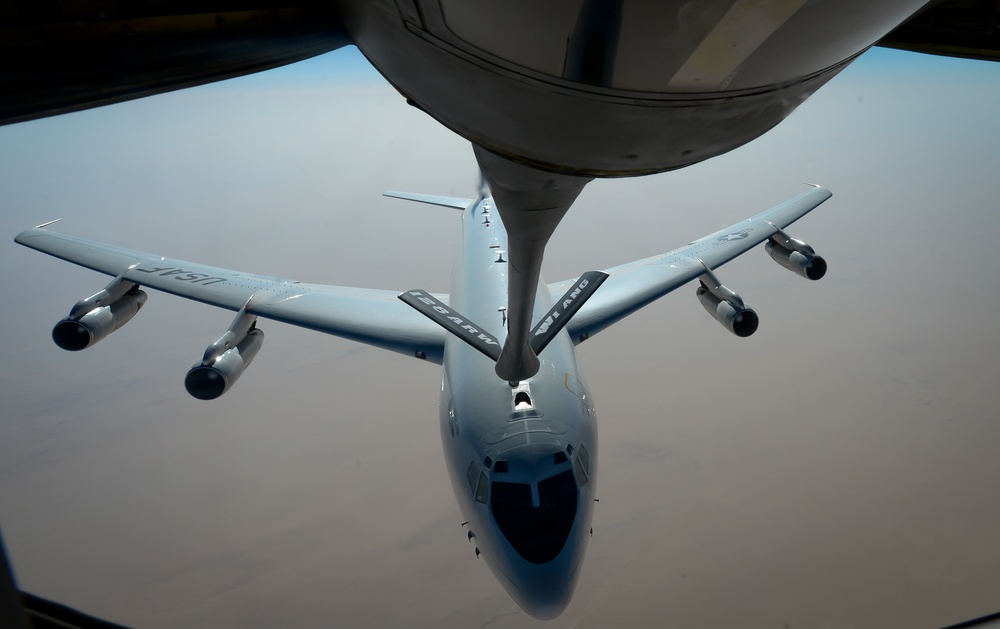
<point>726,306</point>
<point>94,318</point>
<point>795,255</point>
<point>226,359</point>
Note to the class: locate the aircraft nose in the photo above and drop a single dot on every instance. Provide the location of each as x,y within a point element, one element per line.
<point>544,600</point>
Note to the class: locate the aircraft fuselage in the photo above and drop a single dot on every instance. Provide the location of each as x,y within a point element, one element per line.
<point>521,459</point>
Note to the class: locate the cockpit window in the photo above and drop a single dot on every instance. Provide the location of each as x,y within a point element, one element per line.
<point>539,533</point>
<point>473,475</point>
<point>483,490</point>
<point>581,465</point>
<point>511,496</point>
<point>555,490</point>
<point>478,483</point>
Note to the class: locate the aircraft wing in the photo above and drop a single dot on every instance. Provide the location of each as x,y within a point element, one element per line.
<point>373,317</point>
<point>60,57</point>
<point>954,29</point>
<point>636,284</point>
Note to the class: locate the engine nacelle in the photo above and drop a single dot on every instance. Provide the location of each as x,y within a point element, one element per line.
<point>798,258</point>
<point>90,322</point>
<point>221,367</point>
<point>736,318</point>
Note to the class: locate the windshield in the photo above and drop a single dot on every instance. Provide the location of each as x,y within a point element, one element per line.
<point>536,533</point>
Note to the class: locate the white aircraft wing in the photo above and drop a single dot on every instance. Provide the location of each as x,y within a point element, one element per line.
<point>373,317</point>
<point>636,284</point>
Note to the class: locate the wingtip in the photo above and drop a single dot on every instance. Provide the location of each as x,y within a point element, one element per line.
<point>44,225</point>
<point>828,192</point>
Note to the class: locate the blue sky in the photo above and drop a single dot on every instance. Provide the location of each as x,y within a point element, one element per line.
<point>836,469</point>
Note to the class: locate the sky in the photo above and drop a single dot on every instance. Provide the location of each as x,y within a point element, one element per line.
<point>836,469</point>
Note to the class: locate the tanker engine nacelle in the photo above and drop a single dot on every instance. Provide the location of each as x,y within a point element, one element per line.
<point>726,306</point>
<point>795,255</point>
<point>94,318</point>
<point>226,359</point>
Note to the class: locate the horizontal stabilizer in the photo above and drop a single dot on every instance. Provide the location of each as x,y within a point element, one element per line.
<point>453,322</point>
<point>563,310</point>
<point>452,202</point>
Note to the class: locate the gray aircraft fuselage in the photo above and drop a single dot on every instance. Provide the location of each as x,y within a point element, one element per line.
<point>521,459</point>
